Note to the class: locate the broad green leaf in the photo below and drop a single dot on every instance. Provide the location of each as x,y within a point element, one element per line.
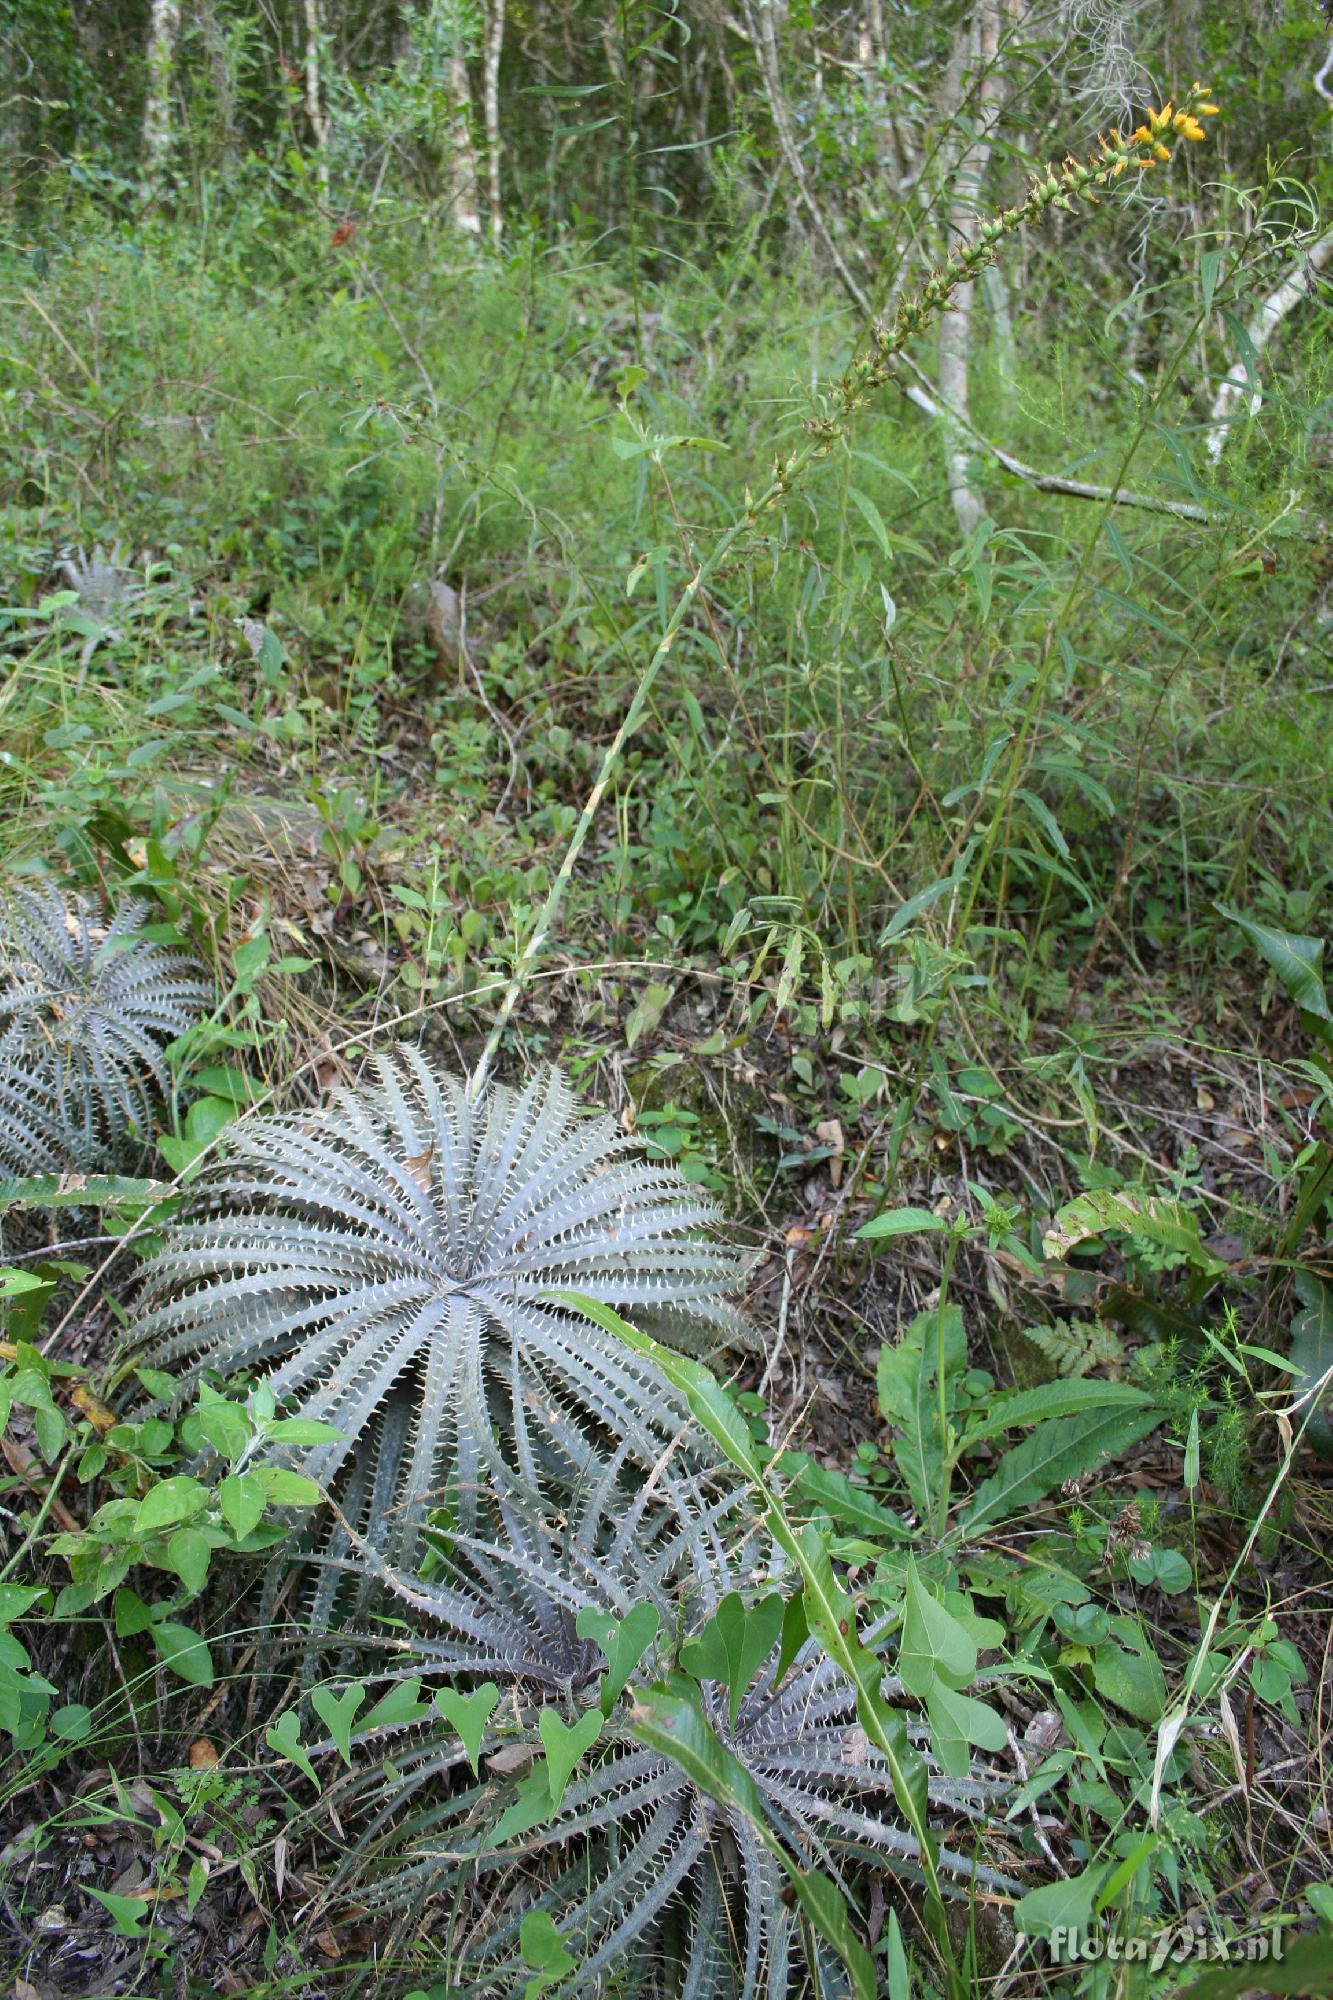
<point>850,1506</point>
<point>933,1642</point>
<point>301,1430</point>
<point>901,1222</point>
<point>284,1738</point>
<point>129,1913</point>
<point>566,1745</point>
<point>242,1500</point>
<point>17,1599</point>
<point>402,1704</point>
<point>734,1644</point>
<point>674,1726</point>
<point>288,1489</point>
<point>130,1614</point>
<point>189,1553</point>
<point>73,1723</point>
<point>623,1643</point>
<point>907,1379</point>
<point>1150,1218</point>
<point>50,1430</point>
<point>1298,961</point>
<point>468,1714</point>
<point>1023,1407</point>
<point>1127,1671</point>
<point>13,1282</point>
<point>170,1501</point>
<point>958,1720</point>
<point>227,1428</point>
<point>338,1712</point>
<point>184,1652</point>
<point>532,1807</point>
<point>1066,1448</point>
<point>545,1950</point>
<point>1060,1905</point>
<point>1167,1568</point>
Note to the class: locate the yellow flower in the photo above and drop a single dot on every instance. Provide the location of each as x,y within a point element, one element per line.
<point>1189,126</point>
<point>1162,152</point>
<point>1140,136</point>
<point>1209,110</point>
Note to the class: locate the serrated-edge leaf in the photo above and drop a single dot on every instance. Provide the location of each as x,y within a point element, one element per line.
<point>1053,1399</point>
<point>1065,1448</point>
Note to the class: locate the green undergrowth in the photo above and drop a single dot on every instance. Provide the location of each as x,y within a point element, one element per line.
<point>954,915</point>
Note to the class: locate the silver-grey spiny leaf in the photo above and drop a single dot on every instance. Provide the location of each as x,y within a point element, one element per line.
<point>657,1887</point>
<point>387,1260</point>
<point>87,1007</point>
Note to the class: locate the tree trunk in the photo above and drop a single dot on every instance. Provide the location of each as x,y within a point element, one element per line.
<point>163,34</point>
<point>762,28</point>
<point>1002,329</point>
<point>492,45</point>
<point>462,163</point>
<point>1298,284</point>
<point>314,103</point>
<point>975,50</point>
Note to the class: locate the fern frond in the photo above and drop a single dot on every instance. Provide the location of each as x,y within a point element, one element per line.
<point>87,1007</point>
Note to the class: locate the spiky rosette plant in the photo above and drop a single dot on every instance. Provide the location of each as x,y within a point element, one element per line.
<point>654,1884</point>
<point>386,1262</point>
<point>87,1007</point>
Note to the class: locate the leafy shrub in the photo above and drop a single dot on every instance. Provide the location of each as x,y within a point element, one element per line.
<point>87,1007</point>
<point>389,1259</point>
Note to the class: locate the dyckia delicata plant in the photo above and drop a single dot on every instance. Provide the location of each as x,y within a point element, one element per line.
<point>387,1261</point>
<point>88,1005</point>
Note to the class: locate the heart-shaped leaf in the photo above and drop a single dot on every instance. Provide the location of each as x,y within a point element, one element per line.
<point>338,1712</point>
<point>285,1739</point>
<point>566,1744</point>
<point>469,1714</point>
<point>734,1644</point>
<point>934,1644</point>
<point>623,1642</point>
